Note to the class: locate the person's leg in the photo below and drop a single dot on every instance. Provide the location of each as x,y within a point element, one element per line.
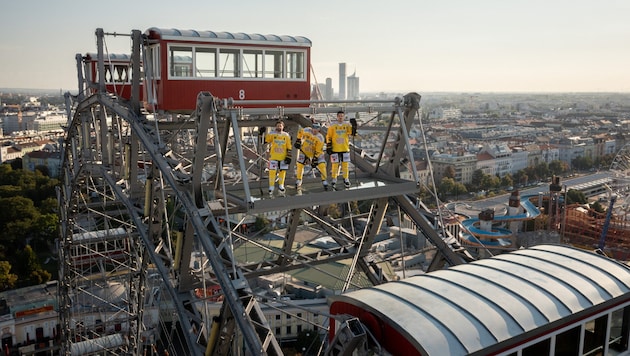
<point>298,174</point>
<point>334,171</point>
<point>321,166</point>
<point>345,168</point>
<point>281,176</point>
<point>273,166</point>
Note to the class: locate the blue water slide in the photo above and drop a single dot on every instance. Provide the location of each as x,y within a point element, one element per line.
<point>498,236</point>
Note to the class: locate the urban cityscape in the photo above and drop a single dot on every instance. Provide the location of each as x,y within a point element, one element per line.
<point>466,148</point>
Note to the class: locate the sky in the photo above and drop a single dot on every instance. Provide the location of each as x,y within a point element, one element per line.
<point>392,46</point>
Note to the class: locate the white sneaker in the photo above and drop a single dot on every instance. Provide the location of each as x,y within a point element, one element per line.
<point>271,192</point>
<point>281,190</point>
<point>346,182</point>
<point>298,184</point>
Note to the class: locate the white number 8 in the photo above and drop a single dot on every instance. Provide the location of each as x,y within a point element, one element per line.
<point>241,94</point>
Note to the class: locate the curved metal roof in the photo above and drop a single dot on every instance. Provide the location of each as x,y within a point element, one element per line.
<point>469,307</point>
<point>212,36</point>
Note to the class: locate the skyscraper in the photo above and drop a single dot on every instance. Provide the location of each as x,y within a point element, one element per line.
<point>353,87</point>
<point>321,88</point>
<point>329,89</point>
<point>342,81</point>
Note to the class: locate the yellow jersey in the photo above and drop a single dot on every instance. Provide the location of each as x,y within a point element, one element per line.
<point>338,135</point>
<point>312,143</point>
<point>280,145</point>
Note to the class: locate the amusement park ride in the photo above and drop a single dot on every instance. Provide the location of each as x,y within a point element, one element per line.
<point>163,161</point>
<point>150,141</point>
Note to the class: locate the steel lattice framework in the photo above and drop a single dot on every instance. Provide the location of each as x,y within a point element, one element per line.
<point>620,174</point>
<point>156,184</point>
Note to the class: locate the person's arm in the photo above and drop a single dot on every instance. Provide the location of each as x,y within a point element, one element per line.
<point>318,150</point>
<point>288,149</point>
<point>329,138</point>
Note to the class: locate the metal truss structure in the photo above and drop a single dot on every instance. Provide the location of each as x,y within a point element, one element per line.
<point>166,187</point>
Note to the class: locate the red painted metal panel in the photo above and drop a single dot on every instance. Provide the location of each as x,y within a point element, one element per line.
<point>387,337</point>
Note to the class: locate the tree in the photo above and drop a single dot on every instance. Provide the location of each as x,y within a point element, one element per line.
<point>518,177</point>
<point>44,169</point>
<point>21,209</point>
<point>542,170</point>
<point>26,262</point>
<point>598,207</point>
<point>350,208</point>
<point>446,186</point>
<point>49,206</point>
<point>43,188</point>
<point>7,279</point>
<point>537,172</point>
<point>334,211</point>
<point>477,177</point>
<point>5,171</point>
<point>30,214</point>
<point>44,231</point>
<point>16,163</point>
<point>262,224</point>
<point>458,189</point>
<point>29,269</point>
<point>32,185</point>
<point>558,167</point>
<point>489,181</point>
<point>7,191</point>
<point>426,195</point>
<point>449,172</point>
<point>15,233</point>
<point>39,276</point>
<point>604,161</point>
<point>521,177</point>
<point>575,196</point>
<point>582,163</point>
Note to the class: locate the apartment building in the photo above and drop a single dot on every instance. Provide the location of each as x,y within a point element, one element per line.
<point>464,165</point>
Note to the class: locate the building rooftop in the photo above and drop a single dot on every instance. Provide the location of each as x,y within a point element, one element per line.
<point>30,298</point>
<point>463,309</point>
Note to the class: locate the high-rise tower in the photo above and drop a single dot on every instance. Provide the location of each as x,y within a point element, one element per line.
<point>342,81</point>
<point>353,87</point>
<point>329,89</point>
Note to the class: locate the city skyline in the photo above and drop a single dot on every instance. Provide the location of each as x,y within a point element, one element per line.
<point>451,46</point>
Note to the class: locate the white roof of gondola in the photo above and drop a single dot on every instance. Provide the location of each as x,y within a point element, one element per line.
<point>469,307</point>
<point>97,235</point>
<point>232,37</point>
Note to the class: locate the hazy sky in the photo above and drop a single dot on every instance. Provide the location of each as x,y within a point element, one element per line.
<point>409,45</point>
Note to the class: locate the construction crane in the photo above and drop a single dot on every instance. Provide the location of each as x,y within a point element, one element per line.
<point>602,238</point>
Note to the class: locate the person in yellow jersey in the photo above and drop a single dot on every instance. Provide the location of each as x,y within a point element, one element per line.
<point>338,147</point>
<point>279,156</point>
<point>310,145</point>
